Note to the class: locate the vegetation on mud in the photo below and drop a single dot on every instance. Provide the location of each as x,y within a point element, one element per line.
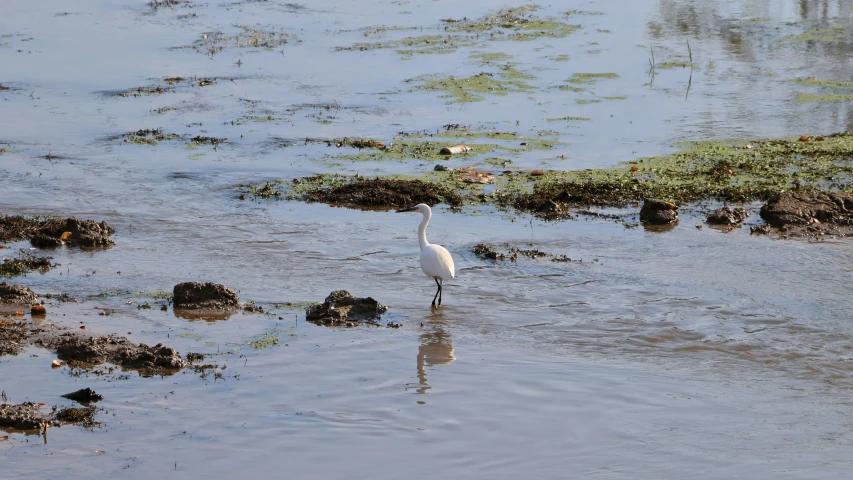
<point>734,171</point>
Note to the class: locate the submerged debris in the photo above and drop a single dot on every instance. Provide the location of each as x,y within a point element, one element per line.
<point>197,295</point>
<point>658,212</point>
<point>341,308</point>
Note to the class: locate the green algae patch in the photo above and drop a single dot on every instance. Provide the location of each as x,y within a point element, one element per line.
<point>826,97</point>
<point>475,88</point>
<point>264,190</point>
<point>837,33</point>
<point>568,119</point>
<point>509,24</point>
<point>586,101</point>
<point>411,46</point>
<point>617,97</point>
<point>426,147</point>
<point>816,82</point>
<point>670,65</point>
<point>590,78</point>
<point>731,171</point>
<point>488,58</point>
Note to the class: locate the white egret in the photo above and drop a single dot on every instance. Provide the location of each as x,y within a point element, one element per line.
<point>436,261</point>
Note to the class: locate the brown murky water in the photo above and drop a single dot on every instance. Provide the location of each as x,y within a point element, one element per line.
<point>690,352</point>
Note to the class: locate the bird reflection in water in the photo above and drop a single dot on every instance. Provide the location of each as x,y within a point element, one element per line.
<point>436,349</point>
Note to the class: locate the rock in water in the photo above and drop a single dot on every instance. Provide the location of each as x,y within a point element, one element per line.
<point>84,395</point>
<point>196,295</point>
<point>340,307</point>
<point>658,212</point>
<point>727,216</point>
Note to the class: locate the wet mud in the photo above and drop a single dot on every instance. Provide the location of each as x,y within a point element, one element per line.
<point>810,214</point>
<point>77,348</point>
<point>29,416</point>
<point>512,253</point>
<point>727,216</point>
<point>342,309</point>
<point>382,193</point>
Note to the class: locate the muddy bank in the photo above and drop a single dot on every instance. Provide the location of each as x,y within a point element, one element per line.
<point>732,172</point>
<point>76,348</point>
<point>53,232</point>
<point>810,214</point>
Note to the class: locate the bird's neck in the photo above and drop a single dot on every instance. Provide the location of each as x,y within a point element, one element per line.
<point>422,231</point>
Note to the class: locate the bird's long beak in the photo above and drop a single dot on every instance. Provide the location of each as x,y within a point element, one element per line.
<point>410,209</point>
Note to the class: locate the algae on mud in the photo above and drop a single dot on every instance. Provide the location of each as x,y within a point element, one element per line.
<point>735,171</point>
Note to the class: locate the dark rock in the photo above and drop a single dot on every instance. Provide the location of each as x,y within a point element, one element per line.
<point>196,295</point>
<point>341,308</point>
<point>14,297</point>
<point>84,395</point>
<point>727,216</point>
<point>658,212</point>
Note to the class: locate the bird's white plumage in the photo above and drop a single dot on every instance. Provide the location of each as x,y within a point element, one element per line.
<point>436,261</point>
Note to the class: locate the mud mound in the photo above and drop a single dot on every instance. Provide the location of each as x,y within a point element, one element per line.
<point>16,298</point>
<point>384,193</point>
<point>810,214</point>
<point>208,296</point>
<point>341,308</point>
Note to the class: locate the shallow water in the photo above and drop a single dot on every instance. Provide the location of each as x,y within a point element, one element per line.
<point>660,354</point>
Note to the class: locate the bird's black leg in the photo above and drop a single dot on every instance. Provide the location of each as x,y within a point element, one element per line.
<point>437,293</point>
